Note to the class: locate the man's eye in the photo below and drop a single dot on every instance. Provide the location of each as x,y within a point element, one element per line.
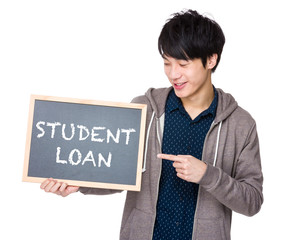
<point>183,64</point>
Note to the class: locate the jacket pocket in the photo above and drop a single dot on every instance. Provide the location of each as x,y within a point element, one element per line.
<point>138,226</point>
<point>209,229</point>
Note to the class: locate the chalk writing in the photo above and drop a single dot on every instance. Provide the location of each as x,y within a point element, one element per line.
<point>89,158</point>
<point>97,134</point>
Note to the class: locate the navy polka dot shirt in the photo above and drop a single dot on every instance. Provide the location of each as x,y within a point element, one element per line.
<point>177,198</point>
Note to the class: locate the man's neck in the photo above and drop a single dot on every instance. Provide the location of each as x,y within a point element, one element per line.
<point>199,103</point>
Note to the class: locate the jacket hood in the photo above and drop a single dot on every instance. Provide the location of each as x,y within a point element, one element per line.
<point>226,105</point>
<point>226,102</point>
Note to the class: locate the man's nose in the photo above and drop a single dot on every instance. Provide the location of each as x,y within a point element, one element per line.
<point>174,72</point>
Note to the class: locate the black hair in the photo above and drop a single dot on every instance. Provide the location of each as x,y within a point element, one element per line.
<point>189,35</point>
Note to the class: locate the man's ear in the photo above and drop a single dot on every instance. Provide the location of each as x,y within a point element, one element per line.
<point>211,61</point>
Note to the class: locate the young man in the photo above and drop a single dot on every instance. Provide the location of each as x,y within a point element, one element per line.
<point>203,159</point>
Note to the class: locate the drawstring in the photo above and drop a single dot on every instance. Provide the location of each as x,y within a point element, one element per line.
<point>217,143</point>
<point>146,144</point>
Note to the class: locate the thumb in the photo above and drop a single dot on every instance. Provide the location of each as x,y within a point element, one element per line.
<point>69,190</point>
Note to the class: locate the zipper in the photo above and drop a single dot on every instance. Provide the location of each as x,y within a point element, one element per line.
<point>160,148</point>
<point>198,199</point>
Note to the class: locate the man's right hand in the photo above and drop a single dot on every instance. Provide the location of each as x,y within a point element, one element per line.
<point>59,188</point>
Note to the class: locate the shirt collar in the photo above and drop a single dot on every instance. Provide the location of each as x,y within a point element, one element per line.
<point>174,103</point>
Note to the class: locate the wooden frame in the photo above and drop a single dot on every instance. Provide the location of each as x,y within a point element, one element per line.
<point>82,102</point>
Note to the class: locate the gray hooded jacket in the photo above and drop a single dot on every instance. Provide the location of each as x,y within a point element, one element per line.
<point>232,182</point>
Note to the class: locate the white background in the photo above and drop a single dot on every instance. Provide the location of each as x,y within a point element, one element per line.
<point>107,50</point>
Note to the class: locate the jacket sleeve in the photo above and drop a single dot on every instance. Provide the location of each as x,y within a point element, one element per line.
<point>97,191</point>
<point>243,192</point>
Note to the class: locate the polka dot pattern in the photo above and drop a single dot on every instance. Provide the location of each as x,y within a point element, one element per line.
<point>177,198</point>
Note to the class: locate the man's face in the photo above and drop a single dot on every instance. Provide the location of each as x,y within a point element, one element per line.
<point>188,78</point>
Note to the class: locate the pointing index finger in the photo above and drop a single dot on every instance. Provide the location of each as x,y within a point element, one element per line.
<point>168,157</point>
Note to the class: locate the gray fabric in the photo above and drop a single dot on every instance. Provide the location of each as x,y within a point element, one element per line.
<point>234,184</point>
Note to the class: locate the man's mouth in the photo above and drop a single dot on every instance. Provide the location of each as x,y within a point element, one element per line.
<point>179,85</point>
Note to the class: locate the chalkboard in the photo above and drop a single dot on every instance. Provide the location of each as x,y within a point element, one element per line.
<point>85,142</point>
